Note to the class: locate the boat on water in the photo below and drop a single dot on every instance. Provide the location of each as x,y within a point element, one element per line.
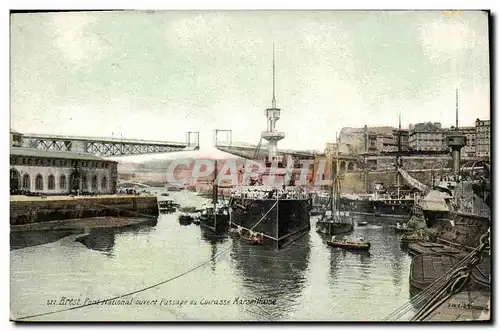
<point>164,194</point>
<point>359,244</point>
<point>185,219</point>
<point>166,206</point>
<point>215,217</point>
<point>363,223</point>
<point>414,236</point>
<point>394,203</point>
<point>253,239</point>
<point>336,220</point>
<point>269,203</point>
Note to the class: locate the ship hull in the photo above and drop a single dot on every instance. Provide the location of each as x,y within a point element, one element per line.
<point>281,221</point>
<point>332,228</point>
<point>218,224</point>
<point>383,208</point>
<point>350,246</point>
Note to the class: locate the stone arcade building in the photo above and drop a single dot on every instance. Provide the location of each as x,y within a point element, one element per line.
<point>58,172</point>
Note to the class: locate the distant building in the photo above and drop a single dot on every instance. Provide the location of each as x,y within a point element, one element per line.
<point>361,140</point>
<point>427,137</point>
<point>57,172</point>
<point>482,138</point>
<point>386,143</point>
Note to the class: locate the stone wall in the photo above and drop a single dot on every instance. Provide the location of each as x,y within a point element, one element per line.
<point>29,211</point>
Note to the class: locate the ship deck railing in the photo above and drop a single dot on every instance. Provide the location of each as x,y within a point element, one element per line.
<point>274,198</point>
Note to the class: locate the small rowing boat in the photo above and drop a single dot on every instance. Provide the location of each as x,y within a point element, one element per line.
<point>360,244</point>
<point>185,219</point>
<point>362,223</point>
<point>253,238</point>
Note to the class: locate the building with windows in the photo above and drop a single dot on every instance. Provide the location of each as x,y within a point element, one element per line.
<point>482,138</point>
<point>59,172</point>
<point>427,137</point>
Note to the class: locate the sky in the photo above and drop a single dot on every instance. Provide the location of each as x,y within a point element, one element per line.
<point>156,75</point>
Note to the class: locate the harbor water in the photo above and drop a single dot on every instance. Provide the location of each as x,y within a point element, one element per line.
<point>306,281</point>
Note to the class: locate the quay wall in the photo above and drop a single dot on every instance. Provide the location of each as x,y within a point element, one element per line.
<point>36,209</point>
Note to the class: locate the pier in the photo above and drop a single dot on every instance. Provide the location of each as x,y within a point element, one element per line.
<point>25,210</point>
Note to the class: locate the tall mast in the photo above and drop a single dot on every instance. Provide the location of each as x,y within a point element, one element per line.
<point>398,157</point>
<point>214,195</point>
<point>274,83</point>
<point>337,169</point>
<point>456,110</point>
<point>273,114</point>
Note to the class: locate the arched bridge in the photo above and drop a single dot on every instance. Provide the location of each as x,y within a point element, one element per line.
<point>103,146</point>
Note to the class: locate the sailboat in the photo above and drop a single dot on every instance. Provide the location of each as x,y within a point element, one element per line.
<point>215,217</point>
<point>335,220</point>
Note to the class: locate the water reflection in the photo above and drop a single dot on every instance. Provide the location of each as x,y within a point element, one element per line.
<point>271,274</point>
<point>103,239</point>
<point>23,239</point>
<point>213,239</point>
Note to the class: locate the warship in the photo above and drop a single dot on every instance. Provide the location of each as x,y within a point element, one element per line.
<point>269,205</point>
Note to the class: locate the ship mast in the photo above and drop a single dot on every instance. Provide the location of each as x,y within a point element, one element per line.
<point>273,115</point>
<point>335,175</point>
<point>214,195</point>
<point>398,157</point>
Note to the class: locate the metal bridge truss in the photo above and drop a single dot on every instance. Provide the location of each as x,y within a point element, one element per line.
<point>109,146</point>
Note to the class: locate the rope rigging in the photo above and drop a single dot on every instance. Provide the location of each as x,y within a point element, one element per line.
<point>447,284</point>
<point>412,181</point>
<point>151,286</point>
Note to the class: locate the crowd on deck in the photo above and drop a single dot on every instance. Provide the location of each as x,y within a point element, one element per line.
<point>269,193</point>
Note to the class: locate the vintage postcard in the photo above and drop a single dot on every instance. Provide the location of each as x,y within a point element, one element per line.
<point>250,166</point>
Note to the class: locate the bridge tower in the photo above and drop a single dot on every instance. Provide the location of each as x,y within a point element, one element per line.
<point>273,115</point>
<point>455,140</point>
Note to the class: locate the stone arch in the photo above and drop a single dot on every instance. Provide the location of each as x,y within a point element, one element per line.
<point>62,182</point>
<point>74,181</point>
<point>39,182</point>
<point>51,182</point>
<point>350,166</point>
<point>15,180</point>
<point>104,184</point>
<point>85,183</point>
<point>94,183</point>
<point>26,182</point>
<point>342,165</point>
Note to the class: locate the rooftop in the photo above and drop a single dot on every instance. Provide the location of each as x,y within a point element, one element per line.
<point>21,151</point>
